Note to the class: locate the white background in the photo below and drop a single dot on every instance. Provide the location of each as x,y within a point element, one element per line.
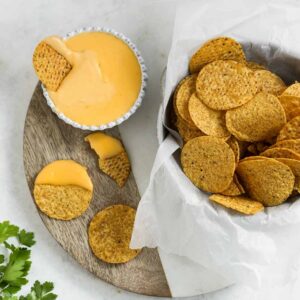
<point>23,25</point>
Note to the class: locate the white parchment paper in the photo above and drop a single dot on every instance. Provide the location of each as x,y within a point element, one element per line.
<point>258,255</point>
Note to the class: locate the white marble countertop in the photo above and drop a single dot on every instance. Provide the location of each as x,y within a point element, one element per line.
<point>23,25</point>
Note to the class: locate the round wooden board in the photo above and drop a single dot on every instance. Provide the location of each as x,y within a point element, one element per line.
<point>46,138</point>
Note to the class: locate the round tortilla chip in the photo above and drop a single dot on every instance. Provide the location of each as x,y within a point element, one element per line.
<point>221,48</point>
<point>241,204</point>
<point>62,202</point>
<point>290,131</point>
<point>257,120</point>
<point>266,180</point>
<point>186,131</point>
<point>209,121</point>
<point>110,233</point>
<point>225,85</point>
<point>290,105</point>
<point>255,66</point>
<point>281,153</point>
<point>209,163</point>
<point>292,90</point>
<point>288,144</point>
<point>182,96</point>
<point>269,82</point>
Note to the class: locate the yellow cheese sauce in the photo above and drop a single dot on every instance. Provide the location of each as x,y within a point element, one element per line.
<point>104,145</point>
<point>104,82</point>
<point>65,172</point>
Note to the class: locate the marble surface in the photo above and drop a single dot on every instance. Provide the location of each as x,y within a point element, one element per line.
<point>23,25</point>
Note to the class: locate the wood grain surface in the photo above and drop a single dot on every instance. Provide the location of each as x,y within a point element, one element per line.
<point>46,138</point>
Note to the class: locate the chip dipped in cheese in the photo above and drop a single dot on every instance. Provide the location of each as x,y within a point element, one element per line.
<point>64,172</point>
<point>113,159</point>
<point>104,145</point>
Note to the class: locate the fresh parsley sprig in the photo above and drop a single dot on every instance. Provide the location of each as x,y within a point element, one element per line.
<point>15,264</point>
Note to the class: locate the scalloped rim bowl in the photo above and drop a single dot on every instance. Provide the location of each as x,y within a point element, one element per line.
<point>133,108</point>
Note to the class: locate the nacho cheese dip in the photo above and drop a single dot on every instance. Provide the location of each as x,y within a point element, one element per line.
<point>105,79</point>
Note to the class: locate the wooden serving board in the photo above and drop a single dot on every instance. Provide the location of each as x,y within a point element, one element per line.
<point>47,138</point>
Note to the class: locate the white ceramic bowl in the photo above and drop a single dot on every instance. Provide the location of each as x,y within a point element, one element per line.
<point>133,108</point>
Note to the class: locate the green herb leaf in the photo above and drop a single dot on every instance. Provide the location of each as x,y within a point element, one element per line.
<point>8,297</point>
<point>40,292</point>
<point>15,265</point>
<point>16,269</point>
<point>7,230</point>
<point>10,290</point>
<point>26,238</point>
